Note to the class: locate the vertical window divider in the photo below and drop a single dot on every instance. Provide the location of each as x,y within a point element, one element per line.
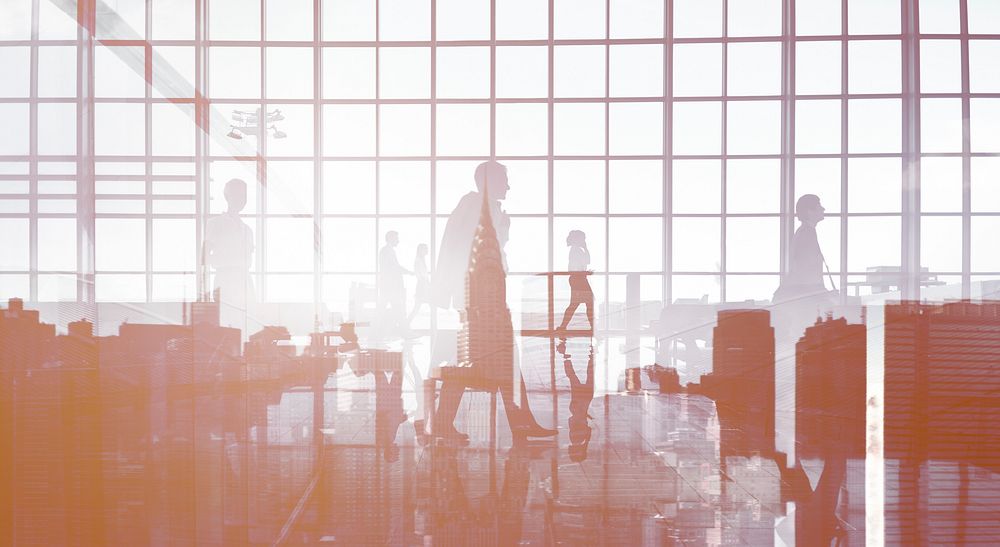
<point>963,6</point>
<point>261,161</point>
<point>317,159</point>
<point>844,143</point>
<point>668,146</point>
<point>33,157</point>
<point>787,183</point>
<point>86,225</point>
<point>433,159</point>
<point>910,229</point>
<point>147,63</point>
<point>723,168</point>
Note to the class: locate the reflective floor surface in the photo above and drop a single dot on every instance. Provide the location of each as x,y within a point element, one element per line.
<point>344,461</point>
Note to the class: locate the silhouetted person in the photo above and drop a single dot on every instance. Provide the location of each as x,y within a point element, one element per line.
<point>391,292</point>
<point>421,295</point>
<point>805,269</point>
<point>448,285</point>
<point>228,249</point>
<point>802,293</point>
<point>388,412</point>
<point>580,291</point>
<point>449,292</point>
<point>581,395</point>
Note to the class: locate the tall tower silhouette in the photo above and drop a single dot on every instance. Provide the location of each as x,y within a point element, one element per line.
<point>486,340</point>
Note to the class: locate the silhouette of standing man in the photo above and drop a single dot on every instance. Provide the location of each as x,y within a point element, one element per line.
<point>228,249</point>
<point>391,292</point>
<point>805,269</point>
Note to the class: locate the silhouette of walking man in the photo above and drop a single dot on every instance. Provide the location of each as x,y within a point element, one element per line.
<point>449,288</point>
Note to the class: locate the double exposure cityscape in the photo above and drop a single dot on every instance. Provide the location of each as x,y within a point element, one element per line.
<point>500,272</point>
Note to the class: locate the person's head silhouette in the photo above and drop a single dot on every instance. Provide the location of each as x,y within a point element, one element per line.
<point>421,250</point>
<point>809,210</point>
<point>235,193</point>
<point>576,238</point>
<point>392,238</point>
<point>579,437</point>
<point>492,176</point>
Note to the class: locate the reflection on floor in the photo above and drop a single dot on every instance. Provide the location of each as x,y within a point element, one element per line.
<point>129,456</point>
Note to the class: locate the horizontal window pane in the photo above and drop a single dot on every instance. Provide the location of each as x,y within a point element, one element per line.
<point>939,17</point>
<point>463,129</point>
<point>404,187</point>
<point>635,186</point>
<point>579,71</point>
<point>635,244</point>
<point>986,184</point>
<point>874,66</point>
<point>348,20</point>
<point>752,244</point>
<point>753,186</point>
<point>579,129</point>
<point>941,185</point>
<point>941,125</point>
<point>349,73</point>
<point>697,186</point>
<point>697,128</point>
<point>873,16</point>
<point>578,187</point>
<point>984,74</point>
<point>874,185</point>
<point>15,255</point>
<point>696,244</point>
<point>940,66</point>
<point>636,70</point>
<point>522,129</point>
<point>818,17</point>
<point>753,127</point>
<point>57,244</point>
<point>15,62</point>
<point>817,68</point>
<point>754,68</point>
<point>636,128</point>
<point>120,287</point>
<point>522,71</point>
<point>984,17</point>
<point>697,18</point>
<point>940,249</point>
<point>873,242</point>
<point>984,121</point>
<point>579,19</point>
<point>697,70</point>
<point>463,72</point>
<point>120,244</point>
<point>983,240</point>
<point>636,18</point>
<point>874,125</point>
<point>817,127</point>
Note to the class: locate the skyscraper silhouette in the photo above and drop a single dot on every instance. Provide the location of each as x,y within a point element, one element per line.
<point>830,389</point>
<point>942,402</point>
<point>486,340</point>
<point>742,382</point>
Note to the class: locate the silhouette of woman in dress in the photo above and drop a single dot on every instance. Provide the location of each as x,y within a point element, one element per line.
<point>580,291</point>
